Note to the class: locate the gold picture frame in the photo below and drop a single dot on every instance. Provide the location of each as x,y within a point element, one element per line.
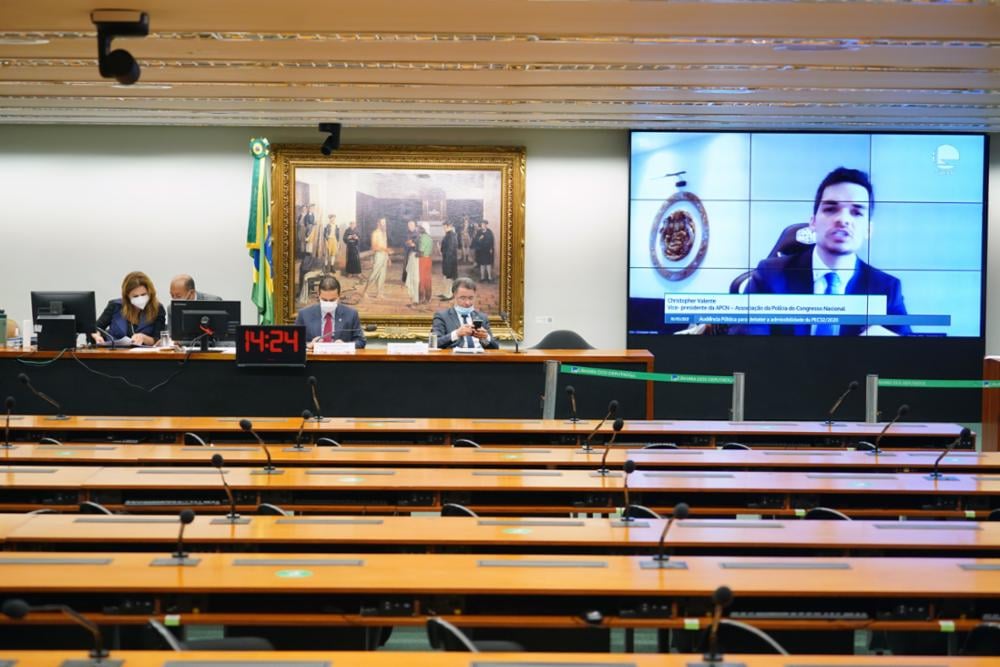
<point>478,190</point>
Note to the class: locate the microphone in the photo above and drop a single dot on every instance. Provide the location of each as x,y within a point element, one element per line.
<point>233,516</point>
<point>318,416</point>
<point>963,437</point>
<point>612,411</point>
<point>627,469</point>
<point>571,392</point>
<point>829,415</point>
<point>269,469</point>
<point>721,598</point>
<point>306,416</point>
<point>681,511</point>
<point>513,335</point>
<point>901,411</point>
<point>9,404</point>
<point>186,517</point>
<point>18,609</point>
<point>26,381</point>
<point>107,337</point>
<point>616,427</point>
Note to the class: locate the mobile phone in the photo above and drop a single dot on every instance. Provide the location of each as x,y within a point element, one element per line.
<point>477,324</point>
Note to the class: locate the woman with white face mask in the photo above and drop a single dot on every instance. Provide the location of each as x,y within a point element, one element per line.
<point>137,315</point>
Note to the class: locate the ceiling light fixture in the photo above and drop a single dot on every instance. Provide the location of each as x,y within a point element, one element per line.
<point>118,64</point>
<point>332,142</point>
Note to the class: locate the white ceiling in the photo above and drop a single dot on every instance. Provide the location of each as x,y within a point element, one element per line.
<point>844,64</point>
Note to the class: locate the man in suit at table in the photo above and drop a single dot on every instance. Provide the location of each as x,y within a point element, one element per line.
<point>329,320</point>
<point>454,326</point>
<point>182,289</point>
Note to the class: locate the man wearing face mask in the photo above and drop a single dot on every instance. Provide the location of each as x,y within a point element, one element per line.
<point>455,326</point>
<point>137,315</point>
<point>329,320</point>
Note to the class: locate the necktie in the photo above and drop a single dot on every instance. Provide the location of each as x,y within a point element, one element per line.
<point>467,341</point>
<point>832,287</point>
<point>328,327</point>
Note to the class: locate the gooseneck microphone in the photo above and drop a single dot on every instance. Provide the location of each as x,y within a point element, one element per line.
<point>18,609</point>
<point>269,469</point>
<point>627,469</point>
<point>829,415</point>
<point>318,416</point>
<point>513,334</point>
<point>963,437</point>
<point>901,411</point>
<point>571,392</point>
<point>233,516</point>
<point>306,416</point>
<point>612,411</point>
<point>9,404</point>
<point>186,517</point>
<point>26,381</point>
<point>616,428</point>
<point>681,511</point>
<point>721,598</point>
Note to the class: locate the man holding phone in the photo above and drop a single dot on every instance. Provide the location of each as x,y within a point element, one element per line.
<point>462,325</point>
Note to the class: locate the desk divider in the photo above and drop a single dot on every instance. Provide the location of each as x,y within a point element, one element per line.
<point>986,478</point>
<point>542,563</point>
<point>971,455</point>
<point>329,522</point>
<point>178,471</point>
<point>691,452</point>
<point>785,566</point>
<point>256,419</point>
<point>105,662</point>
<point>41,560</point>
<point>337,450</point>
<point>175,562</point>
<point>795,452</point>
<point>653,564</point>
<point>359,420</point>
<point>980,567</point>
<point>540,663</point>
<point>126,519</point>
<point>848,475</point>
<point>622,523</point>
<point>506,421</point>
<point>895,663</point>
<point>530,522</point>
<point>118,419</point>
<point>298,562</point>
<point>517,473</point>
<point>347,471</point>
<point>11,469</point>
<point>226,521</point>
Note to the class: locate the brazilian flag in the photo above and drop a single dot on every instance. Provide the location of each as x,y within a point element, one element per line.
<point>259,233</point>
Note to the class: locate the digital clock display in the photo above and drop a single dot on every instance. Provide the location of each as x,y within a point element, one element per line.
<point>271,345</point>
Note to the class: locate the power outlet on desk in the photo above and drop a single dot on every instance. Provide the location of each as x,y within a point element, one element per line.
<point>646,610</point>
<point>387,608</point>
<point>417,500</point>
<point>129,607</point>
<point>905,611</point>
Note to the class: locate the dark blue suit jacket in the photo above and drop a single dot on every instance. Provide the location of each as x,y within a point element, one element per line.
<point>793,274</point>
<point>346,324</point>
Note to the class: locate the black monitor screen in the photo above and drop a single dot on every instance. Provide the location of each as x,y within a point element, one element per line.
<point>186,319</point>
<point>79,304</point>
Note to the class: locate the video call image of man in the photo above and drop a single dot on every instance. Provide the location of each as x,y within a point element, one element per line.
<point>182,289</point>
<point>329,320</point>
<point>842,208</point>
<point>455,326</point>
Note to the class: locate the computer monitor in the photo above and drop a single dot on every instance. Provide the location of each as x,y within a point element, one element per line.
<point>190,319</point>
<point>79,304</point>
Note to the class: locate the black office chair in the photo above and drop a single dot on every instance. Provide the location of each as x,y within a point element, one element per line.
<point>865,446</point>
<point>221,644</point>
<point>792,240</point>
<point>43,510</point>
<point>197,438</point>
<point>984,640</point>
<point>826,513</point>
<point>739,637</point>
<point>270,509</point>
<point>465,442</point>
<point>661,445</point>
<point>563,339</point>
<point>90,507</point>
<point>329,442</point>
<point>734,445</point>
<point>454,509</point>
<point>442,635</point>
<point>994,515</point>
<point>641,512</point>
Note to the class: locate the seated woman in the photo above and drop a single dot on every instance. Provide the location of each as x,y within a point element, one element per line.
<point>137,315</point>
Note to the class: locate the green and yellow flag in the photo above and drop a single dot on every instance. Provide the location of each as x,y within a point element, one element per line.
<point>259,233</point>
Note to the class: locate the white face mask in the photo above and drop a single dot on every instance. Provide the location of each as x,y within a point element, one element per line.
<point>327,306</point>
<point>140,301</point>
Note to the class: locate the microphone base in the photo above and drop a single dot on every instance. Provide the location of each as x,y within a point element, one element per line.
<point>831,423</point>
<point>230,520</point>
<point>629,523</point>
<point>716,663</point>
<point>606,473</point>
<point>879,453</point>
<point>320,420</point>
<point>573,420</point>
<point>587,450</point>
<point>940,477</point>
<point>663,565</point>
<point>175,561</point>
<point>92,662</point>
<point>302,450</point>
<point>57,418</point>
<point>268,471</point>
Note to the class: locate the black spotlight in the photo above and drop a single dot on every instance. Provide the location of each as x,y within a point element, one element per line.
<point>332,142</point>
<point>118,64</point>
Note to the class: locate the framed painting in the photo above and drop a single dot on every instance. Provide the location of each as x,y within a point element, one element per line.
<point>396,225</point>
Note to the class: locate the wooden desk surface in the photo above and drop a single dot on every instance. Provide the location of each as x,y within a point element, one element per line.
<point>541,456</point>
<point>898,434</point>
<point>465,574</point>
<point>505,479</point>
<point>441,659</point>
<point>381,531</point>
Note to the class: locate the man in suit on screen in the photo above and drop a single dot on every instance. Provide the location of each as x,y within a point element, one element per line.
<point>329,320</point>
<point>841,210</point>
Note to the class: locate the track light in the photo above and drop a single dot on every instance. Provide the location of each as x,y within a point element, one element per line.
<point>332,142</point>
<point>118,64</point>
